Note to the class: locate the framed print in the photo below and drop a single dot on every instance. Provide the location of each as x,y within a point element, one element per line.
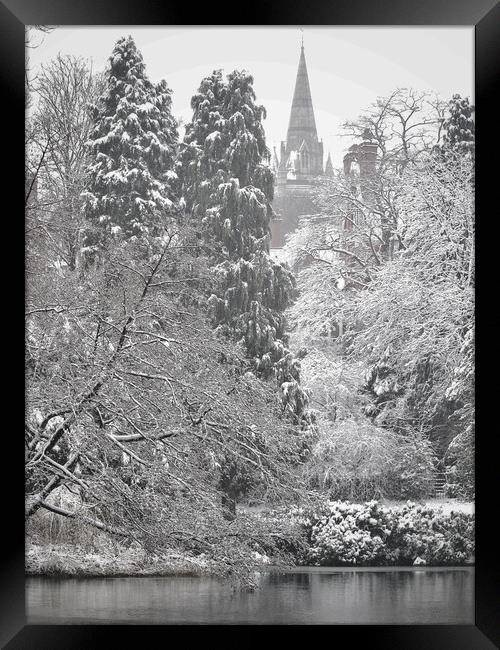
<point>250,298</point>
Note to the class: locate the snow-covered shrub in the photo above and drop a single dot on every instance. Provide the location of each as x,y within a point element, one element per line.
<point>350,534</point>
<point>369,534</point>
<point>423,532</point>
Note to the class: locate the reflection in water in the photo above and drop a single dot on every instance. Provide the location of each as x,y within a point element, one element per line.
<point>310,595</point>
<point>300,580</point>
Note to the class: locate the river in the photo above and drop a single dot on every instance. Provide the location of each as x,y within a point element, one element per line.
<point>308,595</point>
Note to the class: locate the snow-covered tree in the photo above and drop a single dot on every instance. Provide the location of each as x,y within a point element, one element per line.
<point>359,227</point>
<point>417,313</point>
<point>401,301</point>
<point>460,455</point>
<point>228,187</point>
<point>404,123</point>
<point>63,92</point>
<point>355,459</point>
<point>132,413</point>
<point>459,128</point>
<point>131,182</point>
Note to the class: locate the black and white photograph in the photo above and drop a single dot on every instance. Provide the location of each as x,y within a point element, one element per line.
<point>250,325</point>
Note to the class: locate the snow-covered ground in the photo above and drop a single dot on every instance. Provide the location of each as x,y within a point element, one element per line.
<point>447,505</point>
<point>452,504</point>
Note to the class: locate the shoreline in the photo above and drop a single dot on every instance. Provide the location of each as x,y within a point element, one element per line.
<point>293,569</point>
<point>65,561</point>
<point>98,556</point>
<point>52,563</point>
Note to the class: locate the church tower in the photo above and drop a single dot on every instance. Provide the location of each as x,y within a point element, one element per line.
<point>300,164</point>
<point>304,151</point>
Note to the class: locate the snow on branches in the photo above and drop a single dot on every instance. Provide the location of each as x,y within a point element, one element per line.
<point>227,186</point>
<point>131,187</point>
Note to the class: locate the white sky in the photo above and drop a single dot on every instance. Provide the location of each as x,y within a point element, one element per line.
<point>348,66</point>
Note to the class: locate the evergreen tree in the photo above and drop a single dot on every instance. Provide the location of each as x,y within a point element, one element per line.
<point>131,182</point>
<point>459,126</point>
<point>228,187</point>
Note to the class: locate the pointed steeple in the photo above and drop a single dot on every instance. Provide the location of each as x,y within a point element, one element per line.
<point>302,125</point>
<point>301,162</point>
<point>329,166</point>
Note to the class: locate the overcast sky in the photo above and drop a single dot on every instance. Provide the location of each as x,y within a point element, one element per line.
<point>348,67</point>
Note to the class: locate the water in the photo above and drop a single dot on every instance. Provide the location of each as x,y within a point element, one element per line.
<point>303,596</point>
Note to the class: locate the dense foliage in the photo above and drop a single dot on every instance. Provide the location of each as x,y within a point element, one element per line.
<point>459,128</point>
<point>419,309</point>
<point>370,534</point>
<point>227,188</point>
<point>131,190</point>
<point>163,385</point>
<point>357,460</point>
<point>136,407</point>
<point>386,298</point>
<point>58,129</point>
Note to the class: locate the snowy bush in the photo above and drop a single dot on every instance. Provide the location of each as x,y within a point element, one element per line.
<point>350,534</point>
<point>369,534</point>
<point>429,534</point>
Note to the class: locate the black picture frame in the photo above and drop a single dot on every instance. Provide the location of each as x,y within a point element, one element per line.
<point>485,16</point>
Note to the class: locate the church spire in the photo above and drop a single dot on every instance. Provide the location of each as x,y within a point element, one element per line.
<point>302,125</point>
<point>329,166</point>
